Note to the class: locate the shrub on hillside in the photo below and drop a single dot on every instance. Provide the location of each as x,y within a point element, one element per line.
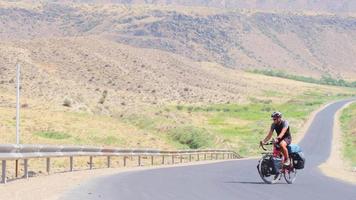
<point>193,137</point>
<point>103,97</point>
<point>67,103</point>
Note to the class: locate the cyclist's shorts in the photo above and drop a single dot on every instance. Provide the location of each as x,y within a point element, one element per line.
<point>288,140</point>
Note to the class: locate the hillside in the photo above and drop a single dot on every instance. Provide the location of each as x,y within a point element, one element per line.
<point>163,76</point>
<point>296,43</point>
<point>340,6</point>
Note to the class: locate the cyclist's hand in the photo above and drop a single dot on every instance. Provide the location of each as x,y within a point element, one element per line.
<point>277,140</point>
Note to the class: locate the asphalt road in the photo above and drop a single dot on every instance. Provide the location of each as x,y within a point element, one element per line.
<point>228,180</point>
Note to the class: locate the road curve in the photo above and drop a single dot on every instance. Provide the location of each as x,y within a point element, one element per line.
<point>230,179</point>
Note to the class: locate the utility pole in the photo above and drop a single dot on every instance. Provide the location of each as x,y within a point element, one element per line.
<point>18,66</point>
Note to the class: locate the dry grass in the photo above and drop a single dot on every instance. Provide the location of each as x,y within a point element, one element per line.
<point>77,129</point>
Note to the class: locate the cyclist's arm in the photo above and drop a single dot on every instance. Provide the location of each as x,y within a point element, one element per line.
<point>284,130</point>
<point>268,137</point>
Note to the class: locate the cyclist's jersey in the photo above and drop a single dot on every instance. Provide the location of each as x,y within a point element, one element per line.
<point>278,128</point>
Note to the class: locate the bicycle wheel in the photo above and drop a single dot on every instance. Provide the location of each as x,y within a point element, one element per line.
<point>264,167</point>
<point>290,173</point>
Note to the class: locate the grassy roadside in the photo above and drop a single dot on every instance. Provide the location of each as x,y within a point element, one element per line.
<point>348,126</point>
<point>233,126</point>
<point>176,126</point>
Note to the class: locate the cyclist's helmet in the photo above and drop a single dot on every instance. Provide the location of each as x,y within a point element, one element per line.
<point>276,114</point>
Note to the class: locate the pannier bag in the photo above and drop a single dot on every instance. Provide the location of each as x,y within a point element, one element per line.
<point>298,160</point>
<point>296,153</point>
<point>294,148</point>
<point>277,163</point>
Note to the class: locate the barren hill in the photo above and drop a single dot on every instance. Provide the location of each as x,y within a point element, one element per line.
<point>161,73</point>
<point>296,43</point>
<point>96,56</point>
<point>339,6</point>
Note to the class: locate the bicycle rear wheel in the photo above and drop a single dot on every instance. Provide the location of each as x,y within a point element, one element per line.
<point>290,173</point>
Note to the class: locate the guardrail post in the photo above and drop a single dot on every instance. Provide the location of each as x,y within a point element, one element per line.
<point>124,161</point>
<point>109,161</point>
<point>91,162</point>
<point>152,160</point>
<point>71,163</point>
<point>223,156</point>
<point>198,157</point>
<point>25,168</point>
<point>181,158</point>
<point>162,159</point>
<point>139,161</point>
<point>204,156</point>
<point>190,157</point>
<point>172,159</point>
<point>3,174</point>
<point>16,168</point>
<point>48,165</point>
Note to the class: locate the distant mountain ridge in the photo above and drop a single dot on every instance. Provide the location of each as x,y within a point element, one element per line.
<point>296,43</point>
<point>339,6</point>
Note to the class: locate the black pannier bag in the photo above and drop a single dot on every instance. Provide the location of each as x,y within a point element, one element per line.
<point>277,163</point>
<point>298,160</point>
<point>271,166</point>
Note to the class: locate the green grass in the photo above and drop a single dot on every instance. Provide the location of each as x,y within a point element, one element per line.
<point>233,126</point>
<point>191,137</point>
<point>324,80</point>
<point>348,125</point>
<point>108,140</point>
<point>52,135</point>
<point>254,117</point>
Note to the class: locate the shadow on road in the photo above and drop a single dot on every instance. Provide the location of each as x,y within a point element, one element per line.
<point>245,182</point>
<point>250,182</point>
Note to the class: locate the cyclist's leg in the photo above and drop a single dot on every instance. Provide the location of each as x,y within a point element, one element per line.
<point>283,145</point>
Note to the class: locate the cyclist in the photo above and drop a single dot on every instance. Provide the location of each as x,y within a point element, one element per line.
<point>284,137</point>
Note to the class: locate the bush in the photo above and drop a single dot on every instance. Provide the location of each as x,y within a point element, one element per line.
<point>103,97</point>
<point>193,137</point>
<point>67,103</point>
<point>179,107</point>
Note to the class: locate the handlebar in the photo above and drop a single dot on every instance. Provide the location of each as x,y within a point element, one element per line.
<point>268,143</point>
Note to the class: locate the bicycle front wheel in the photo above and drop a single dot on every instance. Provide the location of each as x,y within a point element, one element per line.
<point>267,178</point>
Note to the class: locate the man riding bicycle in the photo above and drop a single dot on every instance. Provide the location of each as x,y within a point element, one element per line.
<point>284,137</point>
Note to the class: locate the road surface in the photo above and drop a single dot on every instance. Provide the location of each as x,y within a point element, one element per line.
<point>229,180</point>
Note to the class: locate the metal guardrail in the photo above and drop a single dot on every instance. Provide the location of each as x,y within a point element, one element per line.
<point>25,152</point>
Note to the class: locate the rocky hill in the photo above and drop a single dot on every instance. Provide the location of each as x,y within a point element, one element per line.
<point>95,56</point>
<point>340,6</point>
<point>301,44</point>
